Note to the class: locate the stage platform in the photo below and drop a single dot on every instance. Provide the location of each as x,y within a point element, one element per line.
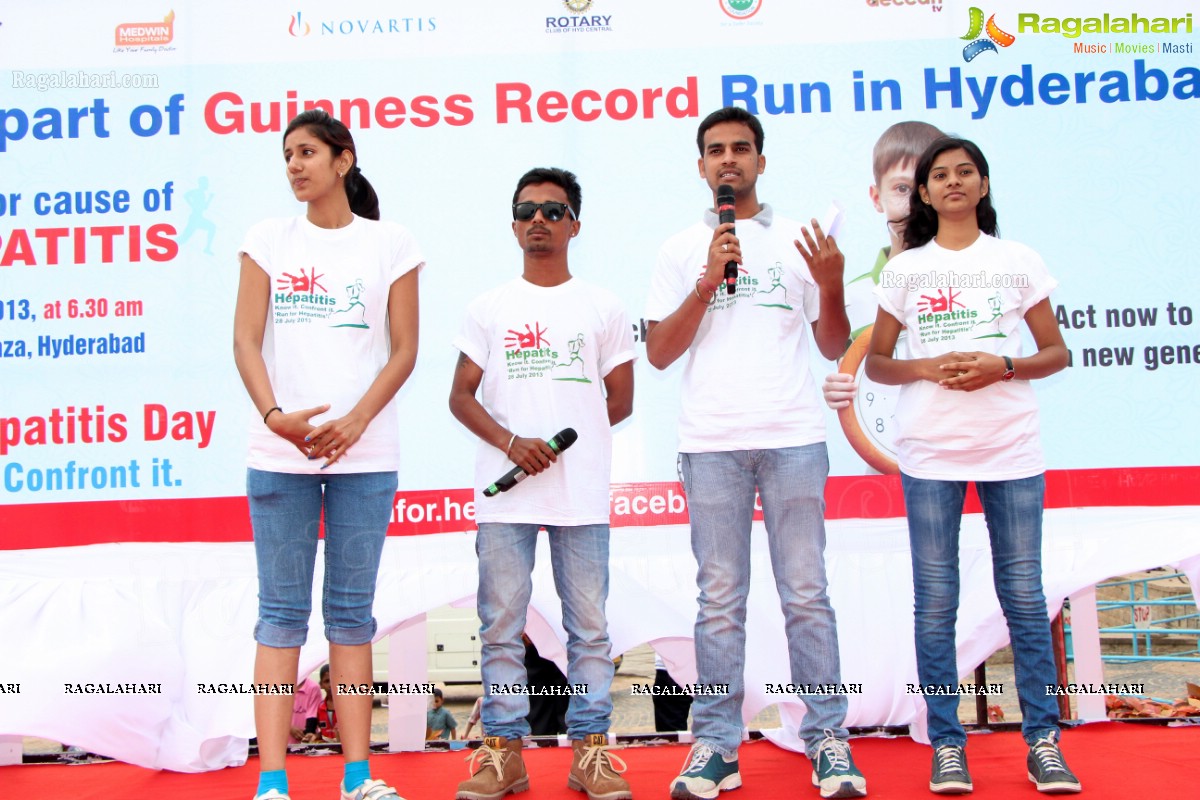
<point>1113,761</point>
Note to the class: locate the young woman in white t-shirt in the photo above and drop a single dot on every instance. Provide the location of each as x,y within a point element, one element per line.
<point>967,413</point>
<point>325,334</point>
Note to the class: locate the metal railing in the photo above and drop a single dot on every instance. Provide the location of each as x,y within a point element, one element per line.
<point>1143,626</point>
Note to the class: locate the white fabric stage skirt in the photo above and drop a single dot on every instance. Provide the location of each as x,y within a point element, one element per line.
<point>180,615</point>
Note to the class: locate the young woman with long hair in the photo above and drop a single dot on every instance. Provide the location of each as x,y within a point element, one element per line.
<point>325,334</point>
<point>967,412</point>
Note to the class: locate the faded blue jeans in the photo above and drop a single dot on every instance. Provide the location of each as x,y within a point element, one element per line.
<point>579,560</point>
<point>1013,510</point>
<point>720,492</point>
<point>285,512</point>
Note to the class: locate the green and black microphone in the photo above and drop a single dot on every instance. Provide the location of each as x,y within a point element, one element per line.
<point>559,442</point>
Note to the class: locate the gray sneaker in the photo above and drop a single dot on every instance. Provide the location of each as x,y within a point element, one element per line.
<point>949,774</point>
<point>1048,770</point>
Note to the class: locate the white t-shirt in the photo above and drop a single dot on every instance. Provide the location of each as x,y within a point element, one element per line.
<point>992,433</point>
<point>327,335</point>
<point>747,384</point>
<point>545,352</point>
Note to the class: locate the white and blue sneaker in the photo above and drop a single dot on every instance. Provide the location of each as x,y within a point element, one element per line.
<point>372,790</point>
<point>272,794</point>
<point>705,775</point>
<point>834,771</point>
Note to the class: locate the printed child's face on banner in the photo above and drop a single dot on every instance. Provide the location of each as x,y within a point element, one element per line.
<point>891,197</point>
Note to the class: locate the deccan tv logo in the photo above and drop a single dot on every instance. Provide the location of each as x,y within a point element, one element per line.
<point>130,33</point>
<point>741,9</point>
<point>935,5</point>
<point>995,36</point>
<point>298,27</point>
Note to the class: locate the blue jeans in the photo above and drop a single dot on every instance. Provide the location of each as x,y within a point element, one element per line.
<point>579,558</point>
<point>720,493</point>
<point>1013,510</point>
<point>285,512</point>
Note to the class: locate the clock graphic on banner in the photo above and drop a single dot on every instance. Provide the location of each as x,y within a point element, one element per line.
<point>870,421</point>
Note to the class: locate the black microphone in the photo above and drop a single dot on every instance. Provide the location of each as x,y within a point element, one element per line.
<point>725,201</point>
<point>558,442</point>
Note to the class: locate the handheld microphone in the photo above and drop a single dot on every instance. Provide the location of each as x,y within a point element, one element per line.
<point>559,442</point>
<point>725,213</point>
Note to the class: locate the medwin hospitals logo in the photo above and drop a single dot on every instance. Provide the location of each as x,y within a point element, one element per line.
<point>741,9</point>
<point>979,44</point>
<point>146,33</point>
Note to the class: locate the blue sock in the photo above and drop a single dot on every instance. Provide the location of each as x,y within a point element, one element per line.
<point>275,779</point>
<point>356,774</point>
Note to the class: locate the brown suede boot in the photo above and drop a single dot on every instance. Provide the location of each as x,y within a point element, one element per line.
<point>496,770</point>
<point>595,770</point>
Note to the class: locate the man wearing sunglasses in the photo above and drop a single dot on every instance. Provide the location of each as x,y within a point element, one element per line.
<point>751,419</point>
<point>544,352</point>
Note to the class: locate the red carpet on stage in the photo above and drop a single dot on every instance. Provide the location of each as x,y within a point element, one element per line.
<point>1112,760</point>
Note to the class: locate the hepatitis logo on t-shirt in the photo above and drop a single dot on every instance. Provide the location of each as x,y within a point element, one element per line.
<point>304,283</point>
<point>775,295</point>
<point>529,354</point>
<point>992,323</point>
<point>532,339</point>
<point>940,304</point>
<point>355,314</point>
<point>943,316</point>
<point>300,296</point>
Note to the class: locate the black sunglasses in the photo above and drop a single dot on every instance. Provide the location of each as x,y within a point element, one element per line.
<point>553,212</point>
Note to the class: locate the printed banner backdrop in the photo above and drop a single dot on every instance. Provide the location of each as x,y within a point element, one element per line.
<point>139,141</point>
<point>123,209</point>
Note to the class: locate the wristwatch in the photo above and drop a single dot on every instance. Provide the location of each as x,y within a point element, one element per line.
<point>1009,372</point>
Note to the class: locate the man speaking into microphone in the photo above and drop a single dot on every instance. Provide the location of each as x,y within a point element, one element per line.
<point>751,419</point>
<point>541,354</point>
